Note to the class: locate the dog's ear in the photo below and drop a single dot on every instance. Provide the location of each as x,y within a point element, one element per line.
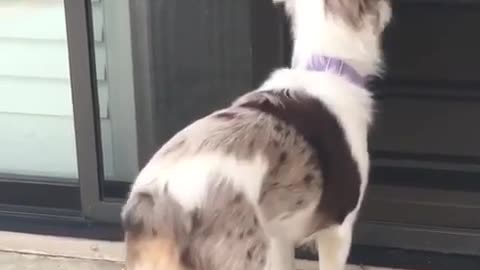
<point>287,4</point>
<point>353,12</point>
<point>385,14</point>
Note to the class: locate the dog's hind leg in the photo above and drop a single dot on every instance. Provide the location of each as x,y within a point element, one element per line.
<point>333,245</point>
<point>281,255</point>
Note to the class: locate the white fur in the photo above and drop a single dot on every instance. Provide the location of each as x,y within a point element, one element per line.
<point>352,105</point>
<point>293,229</point>
<point>316,33</point>
<point>191,177</point>
<point>281,255</point>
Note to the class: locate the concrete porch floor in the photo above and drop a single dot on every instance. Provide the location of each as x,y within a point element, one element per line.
<point>37,252</point>
<point>16,261</point>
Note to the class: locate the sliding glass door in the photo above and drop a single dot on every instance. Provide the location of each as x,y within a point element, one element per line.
<point>67,108</point>
<point>89,89</point>
<point>104,104</point>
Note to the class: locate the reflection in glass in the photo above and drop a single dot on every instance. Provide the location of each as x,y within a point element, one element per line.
<point>111,24</point>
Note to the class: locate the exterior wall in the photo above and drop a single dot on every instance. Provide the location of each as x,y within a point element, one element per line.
<point>36,113</point>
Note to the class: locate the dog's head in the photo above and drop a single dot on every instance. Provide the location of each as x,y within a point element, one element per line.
<point>349,29</point>
<point>357,14</point>
<point>156,232</point>
<point>370,14</point>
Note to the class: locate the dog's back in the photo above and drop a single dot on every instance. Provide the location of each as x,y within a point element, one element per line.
<point>275,162</point>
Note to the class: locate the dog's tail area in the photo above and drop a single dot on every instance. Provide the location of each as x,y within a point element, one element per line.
<point>151,213</point>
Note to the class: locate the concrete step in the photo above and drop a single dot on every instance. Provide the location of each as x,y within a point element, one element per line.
<point>15,261</point>
<point>19,251</point>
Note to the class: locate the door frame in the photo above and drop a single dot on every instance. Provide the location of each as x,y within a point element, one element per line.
<point>86,114</point>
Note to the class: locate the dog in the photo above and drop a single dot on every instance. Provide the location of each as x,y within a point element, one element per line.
<point>281,166</point>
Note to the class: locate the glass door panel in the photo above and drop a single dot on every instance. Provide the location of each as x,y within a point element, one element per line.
<point>115,95</point>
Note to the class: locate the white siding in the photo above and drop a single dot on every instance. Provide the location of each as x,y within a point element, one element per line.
<point>35,96</point>
<point>18,19</point>
<point>42,59</point>
<point>53,97</point>
<point>43,145</point>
